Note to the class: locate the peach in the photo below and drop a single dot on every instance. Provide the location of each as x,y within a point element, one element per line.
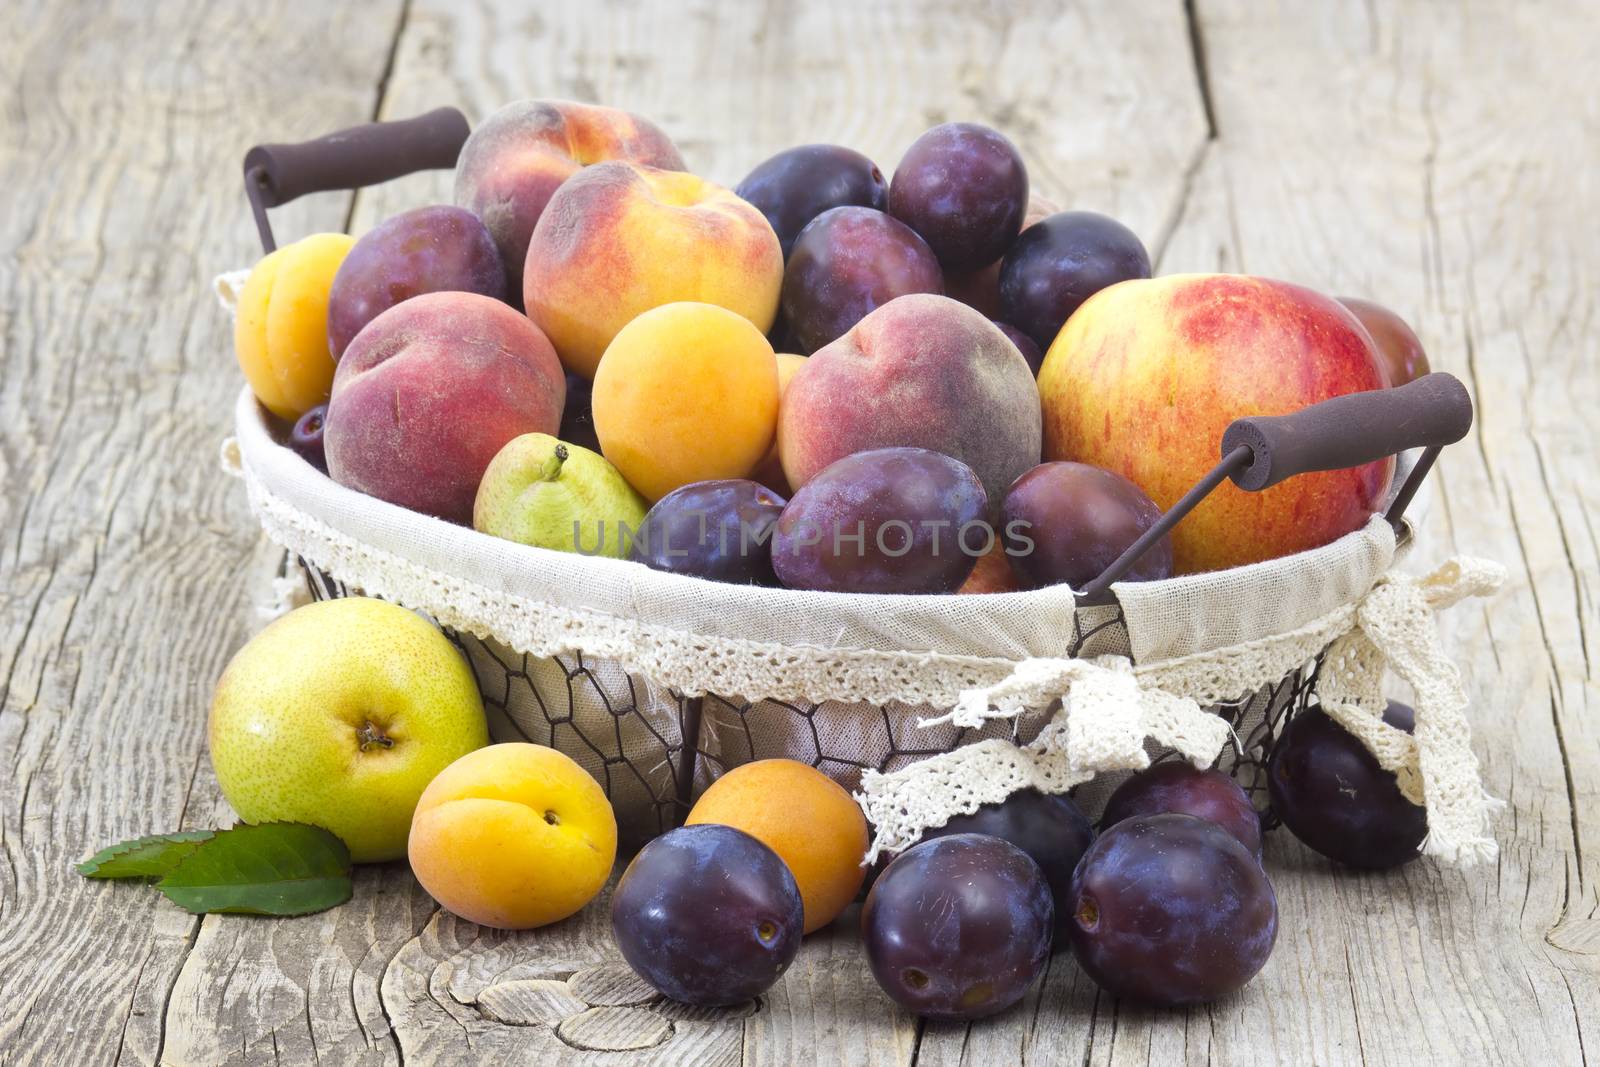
<point>1147,374</point>
<point>429,392</point>
<point>686,392</point>
<point>515,159</point>
<point>280,330</point>
<point>619,239</point>
<point>513,836</point>
<point>922,371</point>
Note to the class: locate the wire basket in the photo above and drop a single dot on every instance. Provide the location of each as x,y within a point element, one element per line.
<point>651,682</point>
<point>654,750</point>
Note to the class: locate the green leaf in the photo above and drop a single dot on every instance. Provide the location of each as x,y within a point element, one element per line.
<point>143,857</point>
<point>271,869</point>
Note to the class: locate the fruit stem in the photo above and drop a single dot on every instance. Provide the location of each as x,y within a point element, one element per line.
<point>552,466</point>
<point>371,734</point>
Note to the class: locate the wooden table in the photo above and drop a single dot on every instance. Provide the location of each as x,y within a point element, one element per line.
<point>1439,157</point>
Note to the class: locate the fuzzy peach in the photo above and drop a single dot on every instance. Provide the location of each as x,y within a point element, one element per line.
<point>429,392</point>
<point>515,159</point>
<point>1147,374</point>
<point>686,392</point>
<point>280,329</point>
<point>922,371</point>
<point>513,836</point>
<point>619,239</point>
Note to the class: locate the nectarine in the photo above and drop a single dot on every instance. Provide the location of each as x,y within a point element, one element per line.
<point>515,159</point>
<point>1147,375</point>
<point>618,239</point>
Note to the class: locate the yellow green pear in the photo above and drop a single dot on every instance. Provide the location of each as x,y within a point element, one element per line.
<point>339,714</point>
<point>551,494</point>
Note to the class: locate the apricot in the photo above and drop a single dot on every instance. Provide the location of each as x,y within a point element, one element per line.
<point>518,156</point>
<point>804,816</point>
<point>513,836</point>
<point>618,239</point>
<point>685,393</point>
<point>280,328</point>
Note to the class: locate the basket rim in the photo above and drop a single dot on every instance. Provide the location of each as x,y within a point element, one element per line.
<point>1009,626</point>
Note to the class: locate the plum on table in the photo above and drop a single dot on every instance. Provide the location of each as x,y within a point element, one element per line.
<point>958,927</point>
<point>1050,829</point>
<point>1332,794</point>
<point>708,915</point>
<point>1176,786</point>
<point>1171,910</point>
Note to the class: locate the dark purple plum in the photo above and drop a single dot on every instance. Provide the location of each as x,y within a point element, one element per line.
<point>964,189</point>
<point>1061,261</point>
<point>1332,794</point>
<point>1025,345</point>
<point>708,915</point>
<point>889,520</point>
<point>305,437</point>
<point>1171,910</point>
<point>434,249</point>
<point>958,927</point>
<point>1050,829</point>
<point>720,530</point>
<point>798,184</point>
<point>847,262</point>
<point>1067,522</point>
<point>1176,786</point>
<point>577,417</point>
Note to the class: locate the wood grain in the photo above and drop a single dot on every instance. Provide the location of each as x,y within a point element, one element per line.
<point>123,577</point>
<point>1437,157</point>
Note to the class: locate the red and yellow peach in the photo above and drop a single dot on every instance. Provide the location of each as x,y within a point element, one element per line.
<point>514,161</point>
<point>618,239</point>
<point>1147,374</point>
<point>429,392</point>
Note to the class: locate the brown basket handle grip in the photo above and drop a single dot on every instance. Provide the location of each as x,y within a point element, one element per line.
<point>1347,431</point>
<point>363,155</point>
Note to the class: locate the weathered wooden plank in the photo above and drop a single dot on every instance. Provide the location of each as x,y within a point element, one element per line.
<point>1388,150</point>
<point>120,590</point>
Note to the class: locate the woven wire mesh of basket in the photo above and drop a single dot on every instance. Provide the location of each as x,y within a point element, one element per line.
<point>654,750</point>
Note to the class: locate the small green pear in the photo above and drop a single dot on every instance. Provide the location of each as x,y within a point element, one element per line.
<point>551,494</point>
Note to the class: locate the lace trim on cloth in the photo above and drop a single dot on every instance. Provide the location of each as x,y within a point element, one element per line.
<point>694,664</point>
<point>1109,707</point>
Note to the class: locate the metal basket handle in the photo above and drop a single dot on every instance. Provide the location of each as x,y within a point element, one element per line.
<point>1346,431</point>
<point>374,152</point>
